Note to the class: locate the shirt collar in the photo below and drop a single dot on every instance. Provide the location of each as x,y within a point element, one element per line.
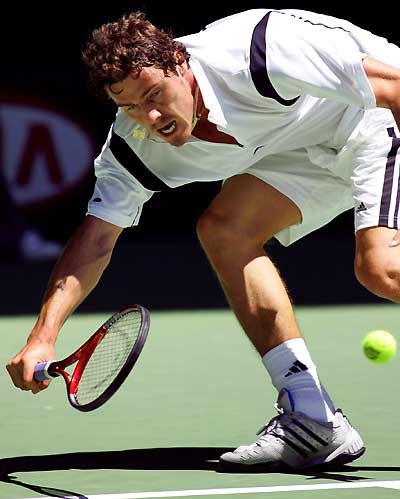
<point>210,98</point>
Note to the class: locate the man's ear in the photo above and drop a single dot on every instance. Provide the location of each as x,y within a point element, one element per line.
<point>179,58</point>
<point>180,62</point>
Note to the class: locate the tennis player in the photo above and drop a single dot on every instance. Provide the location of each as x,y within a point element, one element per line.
<point>299,114</point>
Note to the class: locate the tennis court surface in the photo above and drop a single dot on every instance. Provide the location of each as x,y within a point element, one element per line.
<point>198,389</point>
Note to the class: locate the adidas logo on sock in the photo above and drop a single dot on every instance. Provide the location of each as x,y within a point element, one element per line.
<point>361,207</point>
<point>297,367</point>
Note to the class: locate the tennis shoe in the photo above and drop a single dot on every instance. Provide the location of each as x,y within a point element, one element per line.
<point>293,440</point>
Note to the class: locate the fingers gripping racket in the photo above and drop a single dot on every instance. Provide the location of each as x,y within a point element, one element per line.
<point>103,362</point>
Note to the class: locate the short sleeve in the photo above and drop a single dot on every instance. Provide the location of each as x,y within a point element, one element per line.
<point>118,197</point>
<point>305,56</point>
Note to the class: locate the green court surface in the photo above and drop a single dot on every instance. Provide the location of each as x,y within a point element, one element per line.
<point>198,389</point>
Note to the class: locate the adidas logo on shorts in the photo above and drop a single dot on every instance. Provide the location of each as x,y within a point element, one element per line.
<point>361,207</point>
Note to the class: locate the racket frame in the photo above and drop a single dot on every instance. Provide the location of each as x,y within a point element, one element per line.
<point>84,353</point>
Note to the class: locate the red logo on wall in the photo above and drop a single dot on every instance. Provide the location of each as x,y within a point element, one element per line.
<point>44,152</point>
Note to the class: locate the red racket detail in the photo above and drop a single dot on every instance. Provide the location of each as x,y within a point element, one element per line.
<point>103,361</point>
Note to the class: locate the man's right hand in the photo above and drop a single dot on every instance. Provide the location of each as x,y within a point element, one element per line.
<point>76,273</point>
<point>21,366</point>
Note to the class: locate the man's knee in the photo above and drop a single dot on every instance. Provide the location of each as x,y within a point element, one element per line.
<point>381,280</point>
<point>245,214</point>
<point>377,267</point>
<point>217,233</point>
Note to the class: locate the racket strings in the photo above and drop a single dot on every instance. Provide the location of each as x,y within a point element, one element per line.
<point>109,357</point>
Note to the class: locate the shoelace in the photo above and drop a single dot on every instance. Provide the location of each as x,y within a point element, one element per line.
<point>278,420</point>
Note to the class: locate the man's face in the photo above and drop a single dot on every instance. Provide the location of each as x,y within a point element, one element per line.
<point>162,104</point>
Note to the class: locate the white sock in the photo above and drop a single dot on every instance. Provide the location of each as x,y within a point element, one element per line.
<point>290,367</point>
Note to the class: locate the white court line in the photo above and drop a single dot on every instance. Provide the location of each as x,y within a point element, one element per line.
<point>388,484</point>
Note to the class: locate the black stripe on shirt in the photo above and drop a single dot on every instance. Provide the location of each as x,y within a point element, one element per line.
<point>258,67</point>
<point>130,161</point>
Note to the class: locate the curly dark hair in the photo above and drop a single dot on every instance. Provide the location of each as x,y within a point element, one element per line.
<point>117,49</point>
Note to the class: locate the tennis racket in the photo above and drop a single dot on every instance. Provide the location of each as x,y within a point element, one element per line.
<point>103,362</point>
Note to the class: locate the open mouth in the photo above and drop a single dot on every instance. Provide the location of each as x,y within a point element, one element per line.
<point>168,128</point>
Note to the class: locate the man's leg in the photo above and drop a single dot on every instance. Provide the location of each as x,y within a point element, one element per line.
<point>377,264</point>
<point>233,230</point>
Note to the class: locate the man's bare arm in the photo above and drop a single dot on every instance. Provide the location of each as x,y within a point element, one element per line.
<point>75,275</point>
<point>385,82</point>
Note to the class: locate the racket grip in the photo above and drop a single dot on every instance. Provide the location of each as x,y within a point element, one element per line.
<point>41,372</point>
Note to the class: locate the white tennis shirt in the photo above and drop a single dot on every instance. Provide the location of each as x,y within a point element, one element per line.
<point>276,81</point>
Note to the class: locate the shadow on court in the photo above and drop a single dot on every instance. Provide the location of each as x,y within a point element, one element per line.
<point>47,491</point>
<point>178,458</point>
<point>174,458</point>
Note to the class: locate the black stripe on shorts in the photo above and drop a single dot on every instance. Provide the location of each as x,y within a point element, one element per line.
<point>389,184</point>
<point>130,161</point>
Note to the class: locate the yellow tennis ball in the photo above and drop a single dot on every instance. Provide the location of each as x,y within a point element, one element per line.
<point>379,346</point>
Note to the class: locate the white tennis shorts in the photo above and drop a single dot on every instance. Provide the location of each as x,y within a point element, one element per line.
<point>324,182</point>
